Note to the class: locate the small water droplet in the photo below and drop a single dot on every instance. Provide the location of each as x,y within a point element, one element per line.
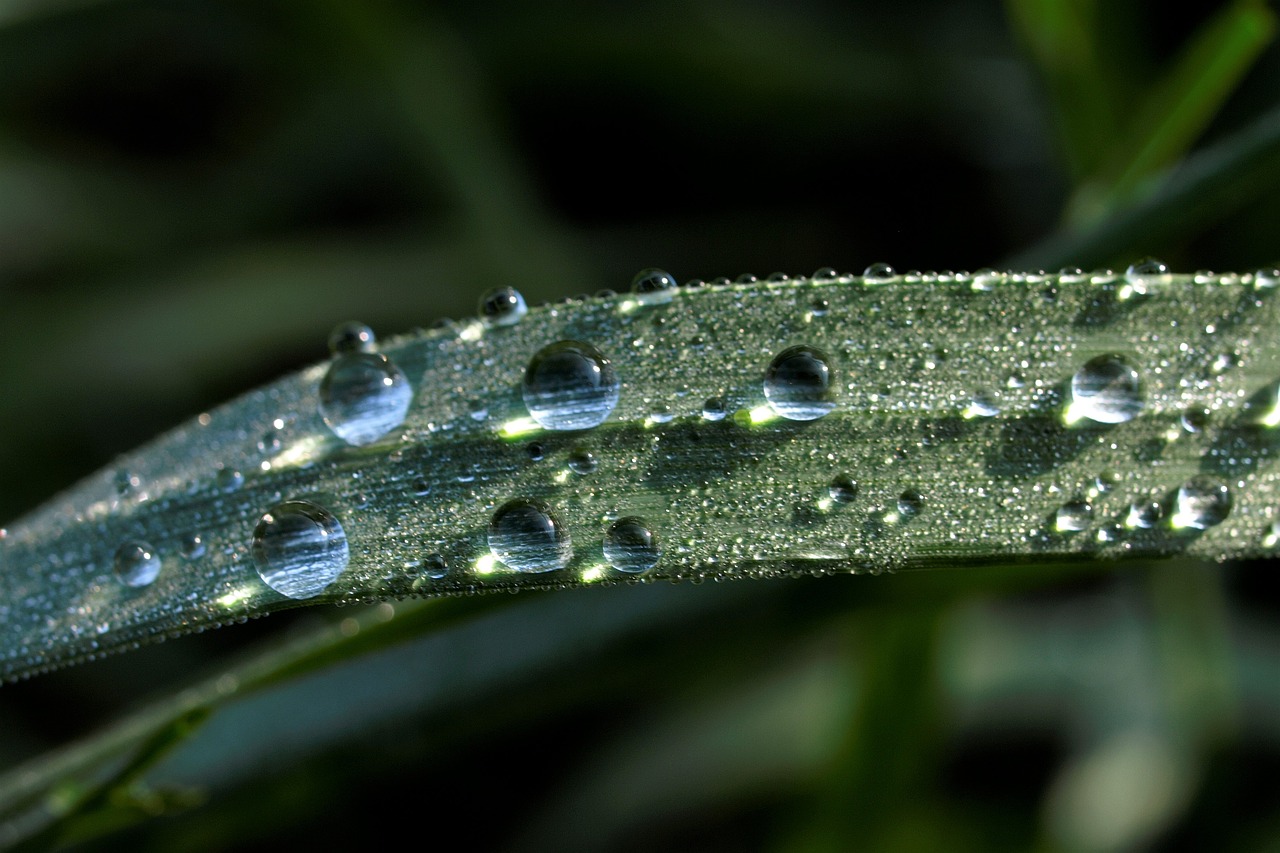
<point>126,482</point>
<point>630,546</point>
<point>570,385</point>
<point>819,307</point>
<point>746,278</point>
<point>799,384</point>
<point>983,405</point>
<point>228,479</point>
<point>1144,514</point>
<point>1073,516</point>
<point>778,278</point>
<point>1266,278</point>
<point>1072,275</point>
<point>435,566</point>
<point>714,409</point>
<point>364,396</point>
<point>479,410</point>
<point>1106,481</point>
<point>581,461</point>
<point>1222,363</point>
<point>136,564</point>
<point>1105,390</point>
<point>1142,276</point>
<point>299,548</point>
<point>193,546</point>
<point>502,306</point>
<point>527,536</point>
<point>421,486</point>
<point>843,489</point>
<point>879,273</point>
<point>986,279</point>
<point>910,503</point>
<point>1201,503</point>
<point>653,286</point>
<point>351,337</point>
<point>536,451</point>
<point>824,275</point>
<point>1194,419</point>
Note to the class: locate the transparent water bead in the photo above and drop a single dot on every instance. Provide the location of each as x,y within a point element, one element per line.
<point>1144,514</point>
<point>653,286</point>
<point>299,548</point>
<point>843,489</point>
<point>136,564</point>
<point>502,306</point>
<point>570,385</point>
<point>1140,277</point>
<point>984,404</point>
<point>630,546</point>
<point>1073,516</point>
<point>364,396</point>
<point>799,383</point>
<point>714,409</point>
<point>879,273</point>
<point>526,535</point>
<point>581,461</point>
<point>1201,503</point>
<point>1106,390</point>
<point>351,336</point>
<point>910,503</point>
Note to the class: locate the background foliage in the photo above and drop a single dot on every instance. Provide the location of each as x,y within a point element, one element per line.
<point>192,194</point>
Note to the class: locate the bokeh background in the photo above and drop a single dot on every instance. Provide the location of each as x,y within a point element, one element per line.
<point>192,194</point>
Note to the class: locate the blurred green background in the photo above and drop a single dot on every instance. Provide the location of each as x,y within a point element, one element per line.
<point>193,194</point>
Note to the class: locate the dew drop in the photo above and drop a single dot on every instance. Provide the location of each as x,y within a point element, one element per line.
<point>435,566</point>
<point>1073,516</point>
<point>364,396</point>
<point>536,451</point>
<point>581,461</point>
<point>527,536</point>
<point>193,546</point>
<point>879,273</point>
<point>910,503</point>
<point>983,405</point>
<point>824,275</point>
<point>570,385</point>
<point>843,489</point>
<point>136,564</point>
<point>1140,277</point>
<point>714,409</point>
<point>653,286</point>
<point>1144,514</point>
<point>351,337</point>
<point>228,479</point>
<point>299,548</point>
<point>502,306</point>
<point>1106,481</point>
<point>799,384</point>
<point>1194,419</point>
<point>1267,278</point>
<point>1105,390</point>
<point>1201,503</point>
<point>630,546</point>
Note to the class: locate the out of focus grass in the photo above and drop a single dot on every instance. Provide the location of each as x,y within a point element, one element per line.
<point>191,195</point>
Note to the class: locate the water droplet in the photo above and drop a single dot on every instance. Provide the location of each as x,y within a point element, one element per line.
<point>910,503</point>
<point>363,396</point>
<point>714,409</point>
<point>630,546</point>
<point>778,278</point>
<point>1144,514</point>
<point>1266,278</point>
<point>1201,503</point>
<point>653,286</point>
<point>1073,516</point>
<point>126,482</point>
<point>1222,363</point>
<point>435,566</point>
<point>1106,481</point>
<point>228,479</point>
<point>819,307</point>
<point>986,279</point>
<point>136,564</point>
<point>536,451</point>
<point>843,489</point>
<point>824,275</point>
<point>983,405</point>
<point>422,486</point>
<point>1194,419</point>
<point>570,385</point>
<point>799,384</point>
<point>299,548</point>
<point>581,461</point>
<point>746,278</point>
<point>502,306</point>
<point>1106,390</point>
<point>478,409</point>
<point>527,536</point>
<point>193,546</point>
<point>1140,277</point>
<point>879,273</point>
<point>1072,275</point>
<point>270,441</point>
<point>351,337</point>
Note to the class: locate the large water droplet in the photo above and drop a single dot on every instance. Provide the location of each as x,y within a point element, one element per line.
<point>843,489</point>
<point>502,306</point>
<point>1201,503</point>
<point>653,286</point>
<point>527,536</point>
<point>570,385</point>
<point>799,384</point>
<point>299,548</point>
<point>363,397</point>
<point>136,564</point>
<point>630,546</point>
<point>1073,516</point>
<point>1144,514</point>
<point>879,273</point>
<point>351,336</point>
<point>1106,390</point>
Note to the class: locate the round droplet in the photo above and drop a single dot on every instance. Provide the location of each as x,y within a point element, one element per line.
<point>479,410</point>
<point>363,397</point>
<point>983,405</point>
<point>1072,275</point>
<point>1266,278</point>
<point>1106,481</point>
<point>630,546</point>
<point>653,286</point>
<point>193,546</point>
<point>299,548</point>
<point>879,273</point>
<point>581,461</point>
<point>435,566</point>
<point>1194,419</point>
<point>1201,503</point>
<point>1144,514</point>
<point>824,275</point>
<point>910,503</point>
<point>1144,275</point>
<point>746,278</point>
<point>1106,390</point>
<point>570,385</point>
<point>843,489</point>
<point>714,409</point>
<point>228,479</point>
<point>126,482</point>
<point>502,306</point>
<point>351,337</point>
<point>799,384</point>
<point>1073,516</point>
<point>527,536</point>
<point>986,279</point>
<point>536,451</point>
<point>136,564</point>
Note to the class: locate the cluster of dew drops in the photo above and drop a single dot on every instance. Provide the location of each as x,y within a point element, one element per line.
<point>299,547</point>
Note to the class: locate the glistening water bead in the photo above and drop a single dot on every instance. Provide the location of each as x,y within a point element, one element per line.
<point>653,286</point>
<point>630,546</point>
<point>299,548</point>
<point>570,385</point>
<point>1106,390</point>
<point>526,535</point>
<point>799,383</point>
<point>136,564</point>
<point>502,306</point>
<point>352,336</point>
<point>1201,503</point>
<point>364,396</point>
